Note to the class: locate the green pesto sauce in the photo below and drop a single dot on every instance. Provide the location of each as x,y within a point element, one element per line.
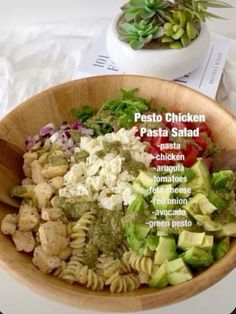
<point>131,165</point>
<point>227,215</point>
<point>57,158</point>
<point>109,147</point>
<point>57,161</point>
<point>46,147</point>
<point>106,234</point>
<point>75,207</point>
<point>76,136</point>
<point>22,191</point>
<point>90,255</point>
<point>80,156</point>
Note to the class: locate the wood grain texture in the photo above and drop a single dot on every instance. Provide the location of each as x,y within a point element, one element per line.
<point>11,172</point>
<point>54,106</point>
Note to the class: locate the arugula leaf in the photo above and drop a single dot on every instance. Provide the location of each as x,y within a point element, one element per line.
<point>114,114</point>
<point>99,126</point>
<point>84,114</point>
<point>125,106</point>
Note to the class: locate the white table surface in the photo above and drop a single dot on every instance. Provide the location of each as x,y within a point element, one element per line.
<point>15,298</point>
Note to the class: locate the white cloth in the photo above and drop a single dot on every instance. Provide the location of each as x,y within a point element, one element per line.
<point>37,57</point>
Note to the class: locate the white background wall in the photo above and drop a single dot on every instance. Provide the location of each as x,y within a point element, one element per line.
<point>15,13</point>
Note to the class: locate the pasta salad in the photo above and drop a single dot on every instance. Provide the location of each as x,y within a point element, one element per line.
<point>123,197</point>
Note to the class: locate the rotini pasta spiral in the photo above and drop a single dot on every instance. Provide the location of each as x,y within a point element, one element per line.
<point>123,283</point>
<point>90,278</point>
<point>120,250</point>
<point>60,271</point>
<point>143,277</point>
<point>72,269</point>
<point>125,265</point>
<point>108,265</point>
<point>70,228</point>
<point>138,262</point>
<point>79,230</point>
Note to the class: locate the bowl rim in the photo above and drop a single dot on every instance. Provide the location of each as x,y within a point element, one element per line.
<point>145,298</point>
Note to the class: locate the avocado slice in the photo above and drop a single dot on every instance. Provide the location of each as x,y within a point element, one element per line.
<point>228,230</point>
<point>143,182</point>
<point>162,233</point>
<point>136,234</point>
<point>217,201</point>
<point>175,265</point>
<point>140,231</point>
<point>166,250</point>
<point>139,205</point>
<point>160,198</point>
<point>208,242</point>
<point>223,180</point>
<point>178,272</point>
<point>221,248</point>
<point>186,194</point>
<point>152,242</point>
<point>189,239</point>
<point>207,223</point>
<point>201,183</point>
<point>135,228</point>
<point>135,244</point>
<point>199,205</point>
<point>146,178</point>
<point>197,257</point>
<point>138,188</point>
<point>159,278</point>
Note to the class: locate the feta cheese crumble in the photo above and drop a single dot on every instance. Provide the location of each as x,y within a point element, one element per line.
<point>102,179</point>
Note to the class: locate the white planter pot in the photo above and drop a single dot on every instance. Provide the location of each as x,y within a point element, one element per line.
<point>164,63</point>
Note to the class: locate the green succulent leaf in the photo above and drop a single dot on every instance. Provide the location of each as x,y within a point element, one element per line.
<point>137,3</point>
<point>159,33</point>
<point>139,34</point>
<point>191,31</point>
<point>147,39</point>
<point>131,15</point>
<point>178,33</point>
<point>166,39</point>
<point>168,29</point>
<point>200,7</point>
<point>185,40</point>
<point>147,15</point>
<point>216,4</point>
<point>136,10</point>
<point>136,44</point>
<point>127,28</point>
<point>176,23</point>
<point>182,18</point>
<point>175,45</point>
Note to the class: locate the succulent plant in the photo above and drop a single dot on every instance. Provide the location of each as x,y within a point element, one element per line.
<point>136,10</point>
<point>200,7</point>
<point>172,23</point>
<point>139,34</point>
<point>180,30</point>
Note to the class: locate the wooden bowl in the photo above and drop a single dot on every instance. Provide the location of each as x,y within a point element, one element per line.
<point>54,105</point>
